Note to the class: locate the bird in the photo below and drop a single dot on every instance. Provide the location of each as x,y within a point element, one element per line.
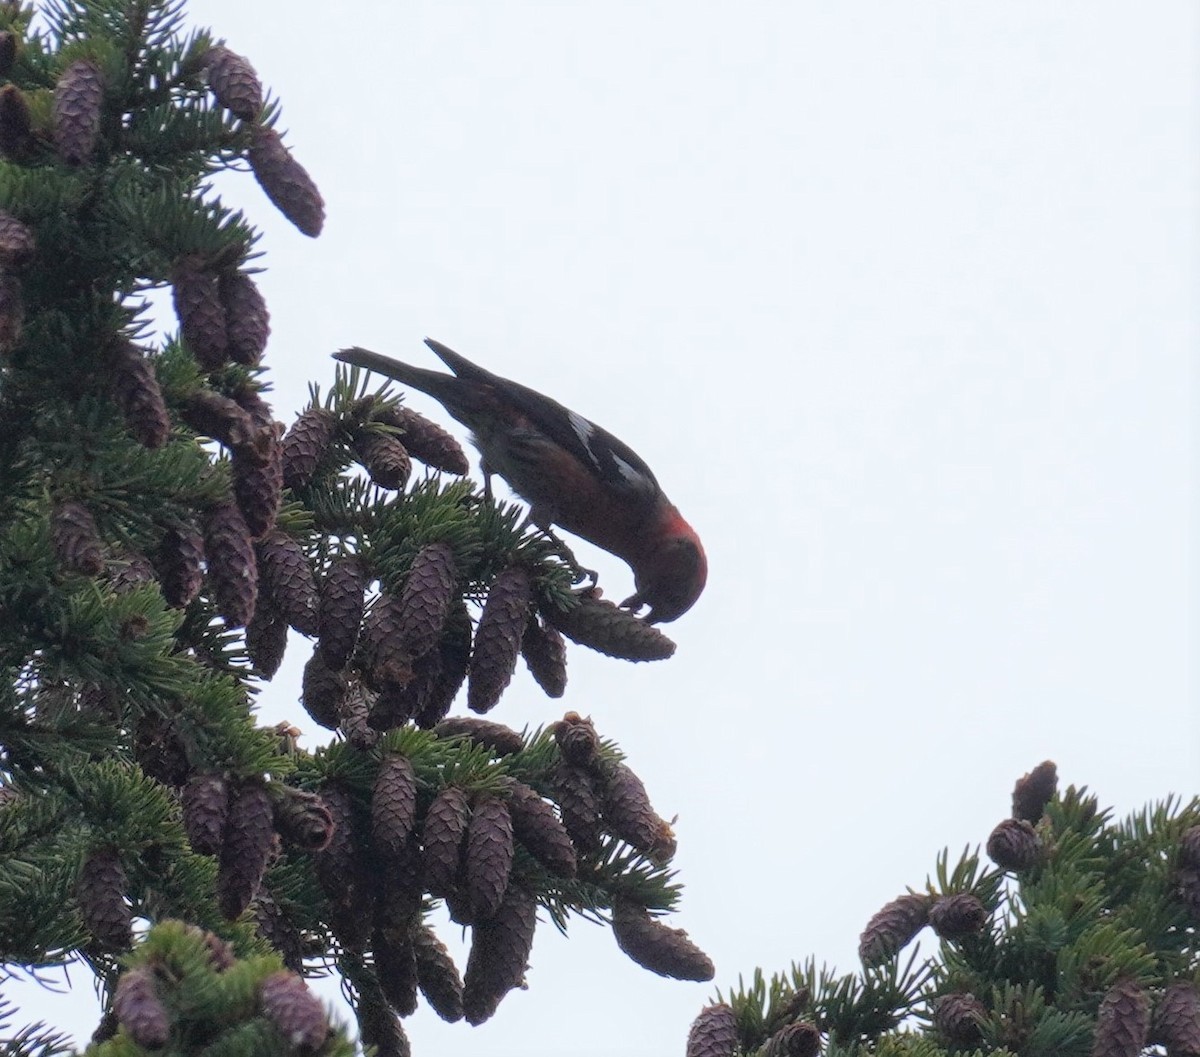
<point>571,472</point>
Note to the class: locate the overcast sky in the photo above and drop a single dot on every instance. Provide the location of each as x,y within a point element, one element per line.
<point>898,301</point>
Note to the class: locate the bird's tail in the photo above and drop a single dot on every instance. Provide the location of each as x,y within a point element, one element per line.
<point>445,388</point>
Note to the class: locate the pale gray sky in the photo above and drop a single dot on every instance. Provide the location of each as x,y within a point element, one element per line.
<point>898,300</point>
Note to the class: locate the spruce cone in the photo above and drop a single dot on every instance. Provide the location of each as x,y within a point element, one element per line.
<point>247,321</point>
<point>76,539</point>
<point>714,1032</point>
<point>454,658</point>
<point>658,947</point>
<point>16,242</point>
<point>249,837</point>
<point>278,931</point>
<point>258,486</point>
<point>625,807</point>
<point>297,1013</point>
<point>77,99</point>
<point>12,313</point>
<point>16,124</point>
<point>384,660</point>
<point>1176,1022</point>
<point>396,967</point>
<point>892,929</point>
<point>958,915</point>
<point>545,656</point>
<point>302,819</point>
<point>180,568</point>
<point>502,740</point>
<point>139,1009</point>
<point>340,612</point>
<point>499,955</point>
<point>577,740</point>
<point>266,639</point>
<point>393,808</point>
<point>488,856</point>
<point>379,1027</point>
<point>800,1039</point>
<point>1034,791</point>
<point>442,838</point>
<point>394,705</point>
<point>159,750</point>
<point>322,692</point>
<point>1123,1021</point>
<point>426,440</point>
<point>498,638</point>
<point>425,600</point>
<point>538,828</point>
<point>100,892</point>
<point>288,580</point>
<point>205,800</point>
<point>232,569</point>
<point>234,82</point>
<point>959,1018</point>
<point>579,801</point>
<point>602,626</point>
<point>305,444</point>
<point>200,312</point>
<point>215,415</point>
<point>384,458</point>
<point>1189,847</point>
<point>1014,845</point>
<point>340,871</point>
<point>403,884</point>
<point>135,390</point>
<point>437,975</point>
<point>285,181</point>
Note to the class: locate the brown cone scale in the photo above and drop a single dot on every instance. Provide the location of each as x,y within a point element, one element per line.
<point>77,98</point>
<point>498,638</point>
<point>232,568</point>
<point>892,928</point>
<point>600,625</point>
<point>499,954</point>
<point>285,181</point>
<point>488,855</point>
<point>714,1032</point>
<point>340,610</point>
<point>658,947</point>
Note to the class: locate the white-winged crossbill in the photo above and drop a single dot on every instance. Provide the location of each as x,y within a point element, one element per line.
<point>570,471</point>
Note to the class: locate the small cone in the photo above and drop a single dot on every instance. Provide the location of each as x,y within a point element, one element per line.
<point>602,626</point>
<point>139,1009</point>
<point>454,658</point>
<point>499,955</point>
<point>297,1013</point>
<point>498,638</point>
<point>539,830</point>
<point>959,1018</point>
<point>303,819</point>
<point>16,242</point>
<point>234,82</point>
<point>426,440</point>
<point>77,99</point>
<point>76,539</point>
<point>579,801</point>
<point>16,124</point>
<point>800,1039</point>
<point>892,929</point>
<point>288,580</point>
<point>425,600</point>
<point>1176,1021</point>
<point>625,808</point>
<point>1014,845</point>
<point>384,458</point>
<point>1034,791</point>
<point>247,321</point>
<point>232,568</point>
<point>955,916</point>
<point>200,312</point>
<point>577,740</point>
<point>714,1032</point>
<point>658,947</point>
<point>545,656</point>
<point>1123,1021</point>
<point>266,639</point>
<point>136,391</point>
<point>285,181</point>
<point>488,855</point>
<point>442,839</point>
<point>340,611</point>
<point>100,892</point>
<point>180,564</point>
<point>304,445</point>
<point>500,739</point>
<point>437,975</point>
<point>322,692</point>
<point>249,836</point>
<point>205,801</point>
<point>393,808</point>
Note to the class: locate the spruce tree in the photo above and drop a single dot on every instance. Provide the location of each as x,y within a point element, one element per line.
<point>162,533</point>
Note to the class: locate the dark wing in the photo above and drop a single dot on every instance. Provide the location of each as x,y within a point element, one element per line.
<point>608,457</point>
